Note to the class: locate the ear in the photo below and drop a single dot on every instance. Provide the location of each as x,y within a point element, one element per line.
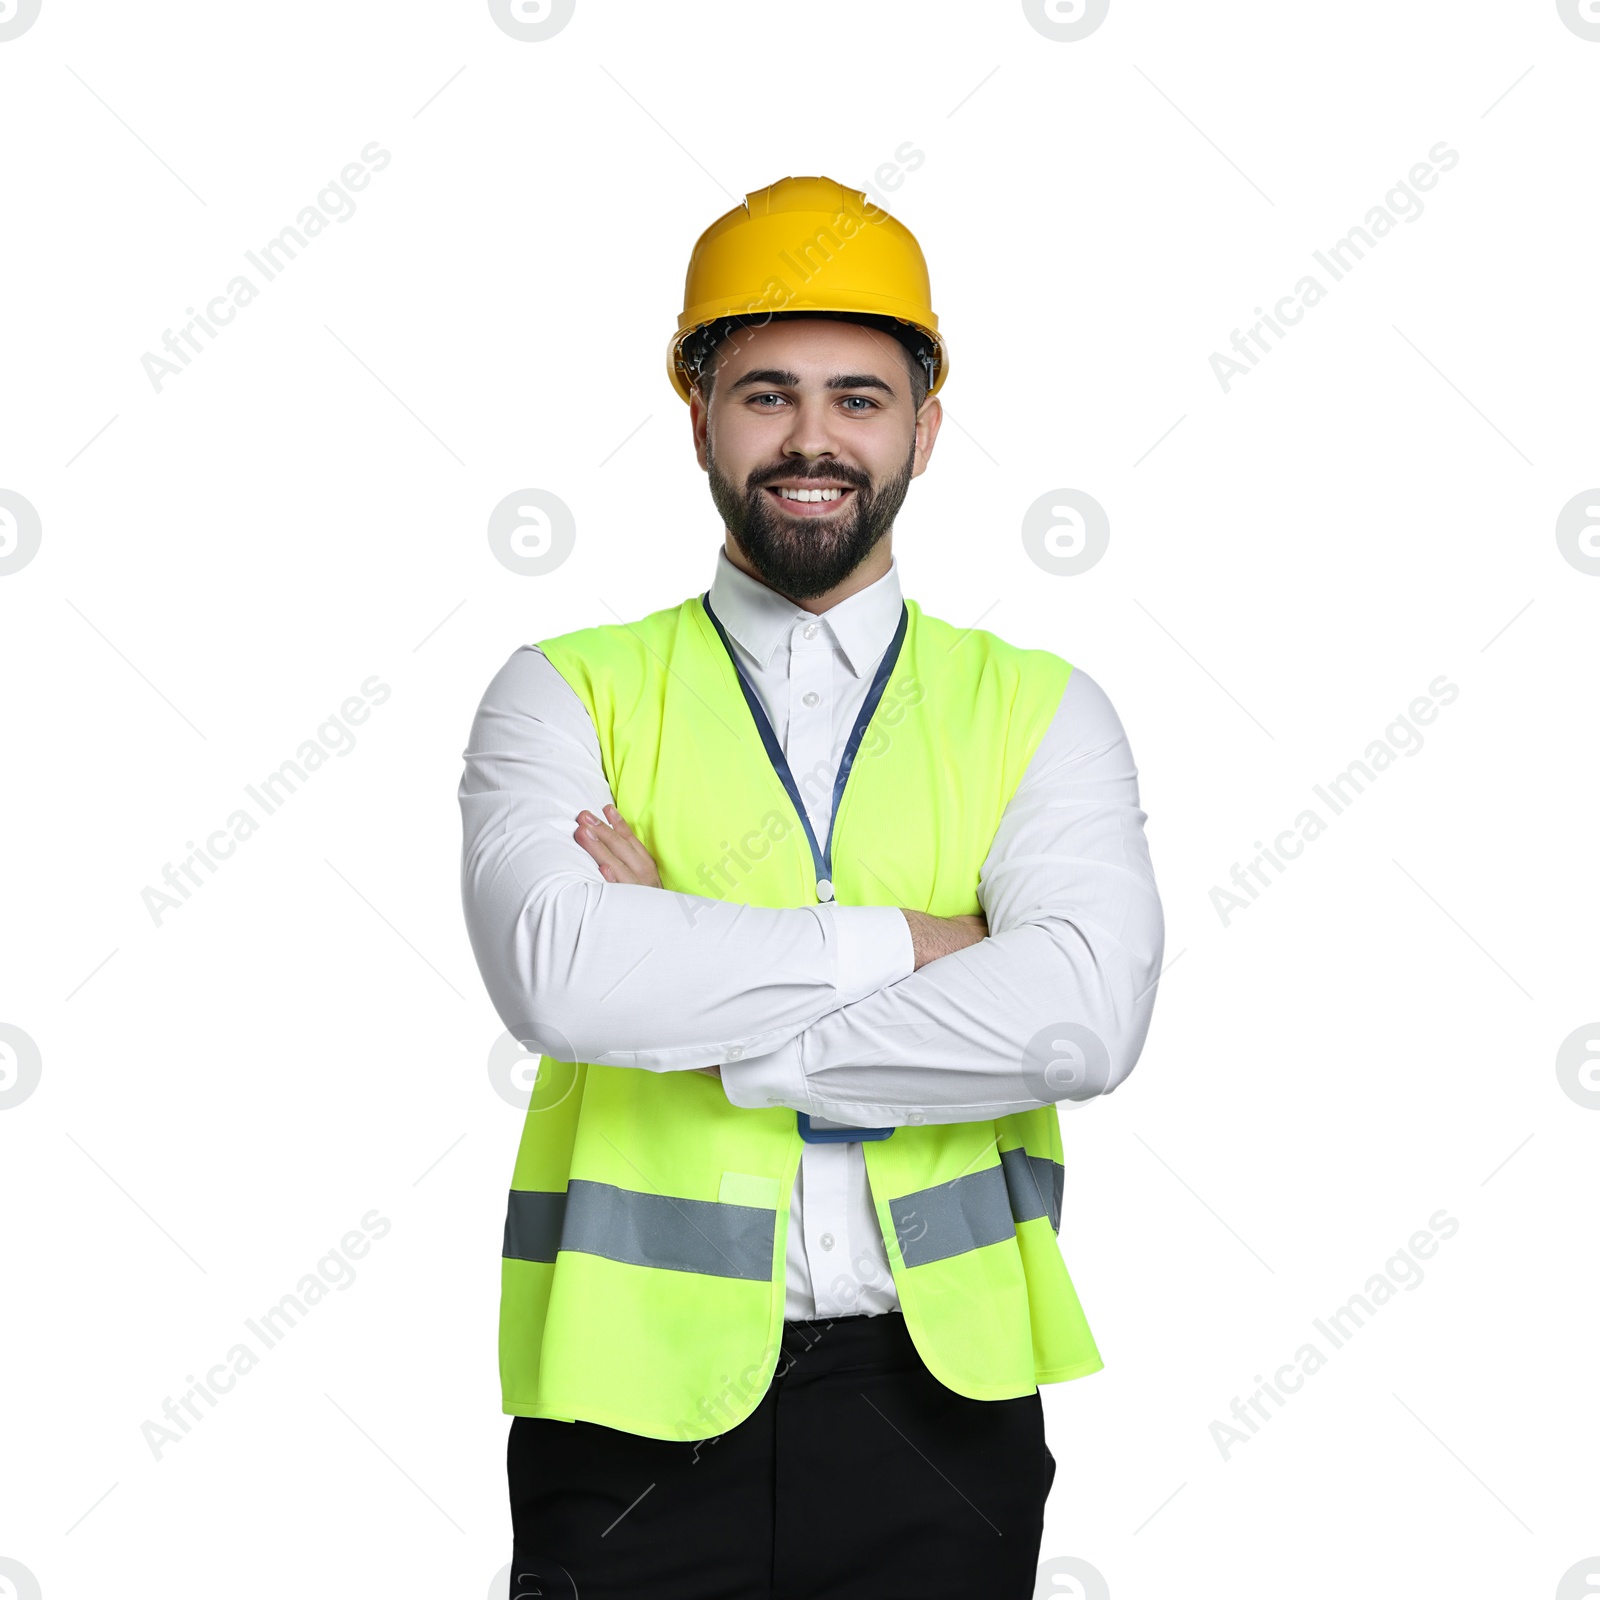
<point>699,417</point>
<point>928,420</point>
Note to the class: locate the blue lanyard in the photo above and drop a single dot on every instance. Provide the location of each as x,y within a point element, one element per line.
<point>822,859</point>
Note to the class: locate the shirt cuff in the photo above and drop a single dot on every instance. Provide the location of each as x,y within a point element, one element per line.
<point>875,950</point>
<point>775,1079</point>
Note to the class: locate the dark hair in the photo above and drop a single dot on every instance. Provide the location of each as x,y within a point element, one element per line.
<point>700,348</point>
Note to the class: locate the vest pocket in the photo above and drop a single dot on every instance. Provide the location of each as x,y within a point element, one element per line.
<point>748,1189</point>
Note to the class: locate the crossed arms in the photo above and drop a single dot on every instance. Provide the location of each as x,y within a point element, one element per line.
<point>841,1011</point>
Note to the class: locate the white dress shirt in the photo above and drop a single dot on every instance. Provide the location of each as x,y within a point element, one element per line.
<point>815,1007</point>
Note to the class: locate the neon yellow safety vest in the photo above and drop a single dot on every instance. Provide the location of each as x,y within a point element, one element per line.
<point>644,1273</point>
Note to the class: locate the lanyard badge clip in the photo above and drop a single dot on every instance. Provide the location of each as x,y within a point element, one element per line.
<point>818,1130</point>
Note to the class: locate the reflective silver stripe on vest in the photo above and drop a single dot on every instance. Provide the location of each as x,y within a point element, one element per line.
<point>1035,1184</point>
<point>977,1209</point>
<point>950,1218</point>
<point>643,1230</point>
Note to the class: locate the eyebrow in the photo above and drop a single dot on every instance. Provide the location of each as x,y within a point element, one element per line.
<point>779,379</point>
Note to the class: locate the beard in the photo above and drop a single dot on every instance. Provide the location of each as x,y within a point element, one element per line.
<point>803,557</point>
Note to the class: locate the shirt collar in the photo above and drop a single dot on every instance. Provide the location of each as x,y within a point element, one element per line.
<point>760,618</point>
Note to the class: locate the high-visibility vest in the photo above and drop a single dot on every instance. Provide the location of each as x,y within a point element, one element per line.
<point>643,1273</point>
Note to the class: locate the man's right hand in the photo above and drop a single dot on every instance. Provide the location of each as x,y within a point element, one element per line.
<point>932,937</point>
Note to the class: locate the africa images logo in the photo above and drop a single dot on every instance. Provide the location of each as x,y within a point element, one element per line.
<point>16,17</point>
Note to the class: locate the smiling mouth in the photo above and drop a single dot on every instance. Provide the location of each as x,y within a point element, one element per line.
<point>806,501</point>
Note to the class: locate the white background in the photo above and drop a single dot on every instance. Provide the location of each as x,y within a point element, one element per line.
<point>225,561</point>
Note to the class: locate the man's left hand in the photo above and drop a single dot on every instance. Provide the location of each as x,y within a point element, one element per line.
<point>615,846</point>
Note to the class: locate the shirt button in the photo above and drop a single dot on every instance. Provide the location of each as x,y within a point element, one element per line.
<point>824,889</point>
<point>811,630</point>
<point>735,1051</point>
<point>826,1241</point>
<point>811,698</point>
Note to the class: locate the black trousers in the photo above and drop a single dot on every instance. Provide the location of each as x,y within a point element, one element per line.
<point>859,1476</point>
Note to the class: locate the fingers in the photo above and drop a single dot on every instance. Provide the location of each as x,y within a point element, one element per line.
<point>601,843</point>
<point>621,857</point>
<point>625,847</point>
<point>620,823</point>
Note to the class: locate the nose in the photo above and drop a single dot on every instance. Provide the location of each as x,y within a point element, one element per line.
<point>810,436</point>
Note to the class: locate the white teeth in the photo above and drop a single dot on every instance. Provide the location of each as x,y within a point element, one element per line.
<point>810,494</point>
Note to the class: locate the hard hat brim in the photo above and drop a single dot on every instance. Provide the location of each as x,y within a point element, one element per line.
<point>702,316</point>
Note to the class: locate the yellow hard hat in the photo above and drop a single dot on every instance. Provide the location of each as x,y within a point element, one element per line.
<point>808,244</point>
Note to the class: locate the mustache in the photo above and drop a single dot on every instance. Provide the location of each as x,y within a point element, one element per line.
<point>834,474</point>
